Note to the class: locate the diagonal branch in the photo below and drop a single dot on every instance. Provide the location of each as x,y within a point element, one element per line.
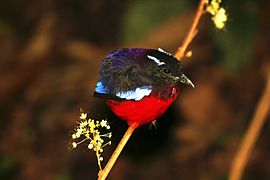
<point>251,136</point>
<point>180,53</point>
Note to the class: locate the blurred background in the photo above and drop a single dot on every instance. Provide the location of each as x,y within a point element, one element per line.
<point>50,53</point>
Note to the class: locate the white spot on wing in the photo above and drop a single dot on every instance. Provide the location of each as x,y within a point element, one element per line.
<point>137,94</point>
<point>159,63</point>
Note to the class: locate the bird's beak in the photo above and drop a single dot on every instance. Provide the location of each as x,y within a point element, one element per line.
<point>184,79</point>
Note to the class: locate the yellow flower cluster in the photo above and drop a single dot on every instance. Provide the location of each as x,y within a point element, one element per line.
<point>219,16</point>
<point>88,131</point>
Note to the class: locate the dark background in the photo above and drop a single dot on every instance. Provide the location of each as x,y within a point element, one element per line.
<point>50,53</point>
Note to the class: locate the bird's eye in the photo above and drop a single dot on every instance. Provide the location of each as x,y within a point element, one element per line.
<point>167,71</point>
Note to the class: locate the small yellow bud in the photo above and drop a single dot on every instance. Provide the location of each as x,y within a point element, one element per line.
<point>74,145</point>
<point>189,54</point>
<point>220,18</point>
<point>210,10</point>
<point>90,146</point>
<point>110,135</point>
<point>74,136</point>
<point>83,124</point>
<point>215,5</point>
<point>83,116</point>
<point>78,134</point>
<point>218,13</point>
<point>103,123</point>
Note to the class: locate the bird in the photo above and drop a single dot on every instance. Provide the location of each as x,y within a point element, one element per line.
<point>140,84</point>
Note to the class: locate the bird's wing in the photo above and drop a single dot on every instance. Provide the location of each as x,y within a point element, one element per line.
<point>123,77</point>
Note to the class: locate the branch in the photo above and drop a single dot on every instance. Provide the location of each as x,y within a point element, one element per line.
<point>104,173</point>
<point>180,53</point>
<point>251,136</point>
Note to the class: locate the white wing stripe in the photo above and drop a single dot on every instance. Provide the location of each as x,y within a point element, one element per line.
<point>161,50</point>
<point>137,94</point>
<point>159,63</point>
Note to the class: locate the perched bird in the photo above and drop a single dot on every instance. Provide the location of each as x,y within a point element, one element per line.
<point>140,84</point>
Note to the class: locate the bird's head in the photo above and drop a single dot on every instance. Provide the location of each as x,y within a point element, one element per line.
<point>165,68</point>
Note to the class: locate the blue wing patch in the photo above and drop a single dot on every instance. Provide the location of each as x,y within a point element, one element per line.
<point>136,94</point>
<point>101,89</point>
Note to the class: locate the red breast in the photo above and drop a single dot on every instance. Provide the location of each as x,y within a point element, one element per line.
<point>144,111</point>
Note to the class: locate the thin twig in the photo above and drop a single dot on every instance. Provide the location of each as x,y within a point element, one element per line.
<point>104,173</point>
<point>180,53</point>
<point>251,136</point>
